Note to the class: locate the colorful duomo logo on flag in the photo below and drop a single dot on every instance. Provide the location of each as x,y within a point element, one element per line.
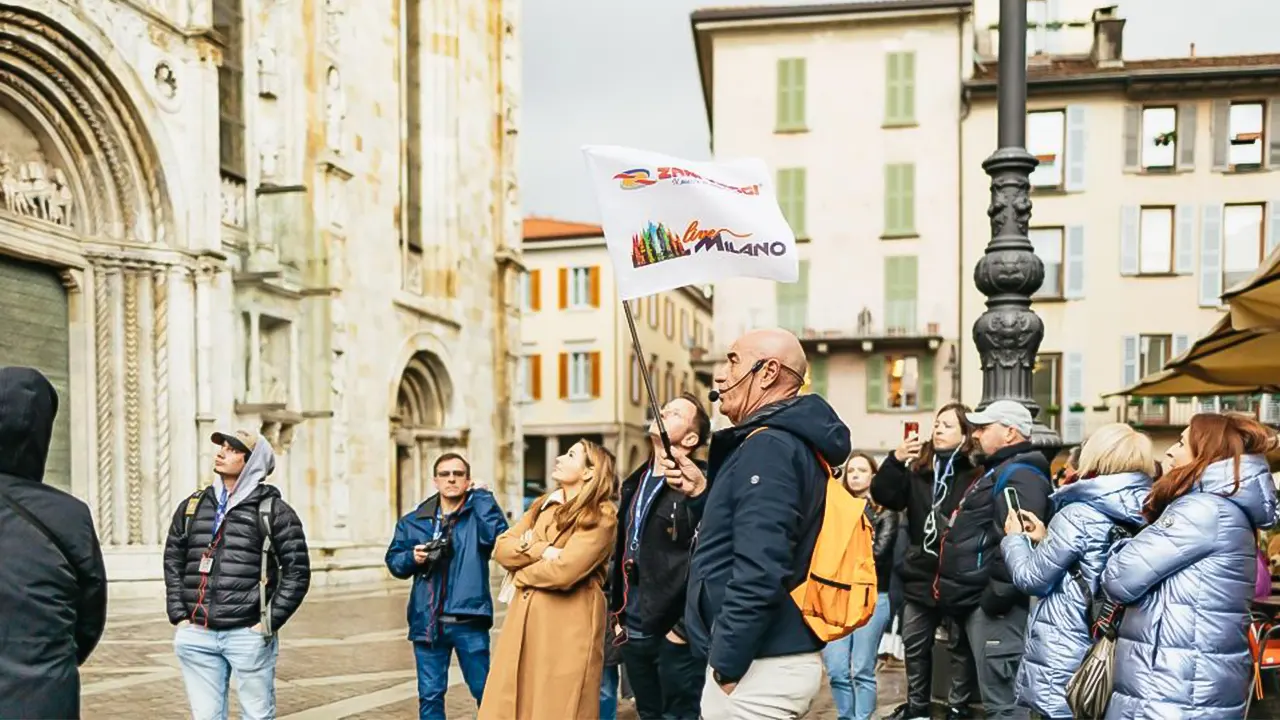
<point>655,244</point>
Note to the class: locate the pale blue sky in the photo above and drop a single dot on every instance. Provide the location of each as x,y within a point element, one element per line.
<point>622,72</point>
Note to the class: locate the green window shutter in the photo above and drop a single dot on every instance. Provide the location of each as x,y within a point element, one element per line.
<point>798,92</point>
<point>907,87</point>
<point>892,88</point>
<point>791,93</point>
<point>875,383</point>
<point>798,189</point>
<point>899,199</point>
<point>784,196</point>
<point>784,93</point>
<point>927,384</point>
<point>907,198</point>
<point>818,375</point>
<point>891,292</point>
<point>908,277</point>
<point>793,301</point>
<point>891,218</point>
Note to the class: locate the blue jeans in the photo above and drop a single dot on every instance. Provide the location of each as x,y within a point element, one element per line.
<point>851,665</point>
<point>208,658</point>
<point>609,693</point>
<point>472,646</point>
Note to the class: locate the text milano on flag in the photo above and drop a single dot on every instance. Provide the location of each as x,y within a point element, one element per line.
<point>670,222</point>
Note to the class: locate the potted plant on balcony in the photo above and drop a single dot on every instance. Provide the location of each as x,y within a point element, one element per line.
<point>1159,401</point>
<point>1053,410</point>
<point>1165,139</point>
<point>1135,401</point>
<point>1077,407</point>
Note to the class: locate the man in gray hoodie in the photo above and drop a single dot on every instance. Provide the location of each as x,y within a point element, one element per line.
<point>236,569</point>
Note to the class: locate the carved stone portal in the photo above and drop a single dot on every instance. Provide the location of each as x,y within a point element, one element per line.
<point>30,185</point>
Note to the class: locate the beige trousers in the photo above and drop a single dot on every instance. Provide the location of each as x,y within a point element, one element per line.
<point>776,688</point>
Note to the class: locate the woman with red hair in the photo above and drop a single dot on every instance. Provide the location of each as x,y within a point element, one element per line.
<point>1188,578</point>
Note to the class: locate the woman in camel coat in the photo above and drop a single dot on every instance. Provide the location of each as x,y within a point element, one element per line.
<point>549,657</point>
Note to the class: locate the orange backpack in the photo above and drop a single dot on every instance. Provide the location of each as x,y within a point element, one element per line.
<point>839,594</point>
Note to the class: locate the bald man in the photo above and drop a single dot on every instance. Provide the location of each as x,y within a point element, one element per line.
<point>759,522</point>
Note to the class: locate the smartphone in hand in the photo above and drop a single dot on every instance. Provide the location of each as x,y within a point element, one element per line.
<point>910,428</point>
<point>1011,499</point>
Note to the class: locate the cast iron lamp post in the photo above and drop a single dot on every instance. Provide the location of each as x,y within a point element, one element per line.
<point>1008,334</point>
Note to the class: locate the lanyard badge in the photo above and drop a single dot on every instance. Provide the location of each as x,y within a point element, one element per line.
<point>206,564</point>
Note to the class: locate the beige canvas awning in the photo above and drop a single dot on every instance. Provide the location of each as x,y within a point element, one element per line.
<point>1255,303</point>
<point>1226,361</point>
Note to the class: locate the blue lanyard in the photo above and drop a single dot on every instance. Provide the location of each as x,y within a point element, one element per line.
<point>439,528</point>
<point>642,509</point>
<point>221,512</point>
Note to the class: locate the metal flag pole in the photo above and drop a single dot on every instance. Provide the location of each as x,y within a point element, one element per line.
<point>648,381</point>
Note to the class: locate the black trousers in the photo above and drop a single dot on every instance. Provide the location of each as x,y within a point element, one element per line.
<point>665,677</point>
<point>919,625</point>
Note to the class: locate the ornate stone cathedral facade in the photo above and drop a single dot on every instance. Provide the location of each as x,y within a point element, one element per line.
<point>299,217</point>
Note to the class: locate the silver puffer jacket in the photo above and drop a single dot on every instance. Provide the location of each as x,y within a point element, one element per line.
<point>1187,581</point>
<point>1057,632</point>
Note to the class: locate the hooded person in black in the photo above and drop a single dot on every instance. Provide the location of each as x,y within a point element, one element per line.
<point>54,586</point>
<point>759,523</point>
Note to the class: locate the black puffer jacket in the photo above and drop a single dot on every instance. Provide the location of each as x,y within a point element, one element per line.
<point>885,522</point>
<point>53,601</point>
<point>898,487</point>
<point>230,598</point>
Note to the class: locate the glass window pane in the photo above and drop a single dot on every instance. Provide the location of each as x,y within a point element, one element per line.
<point>1245,139</point>
<point>1045,140</point>
<point>1156,251</point>
<point>1047,243</point>
<point>1241,242</point>
<point>1159,145</point>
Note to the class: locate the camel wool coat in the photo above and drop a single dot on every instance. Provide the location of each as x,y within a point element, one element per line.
<point>549,657</point>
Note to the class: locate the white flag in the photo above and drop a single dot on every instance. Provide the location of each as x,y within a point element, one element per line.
<point>670,222</point>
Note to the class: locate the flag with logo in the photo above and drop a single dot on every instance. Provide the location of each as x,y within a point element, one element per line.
<point>670,222</point>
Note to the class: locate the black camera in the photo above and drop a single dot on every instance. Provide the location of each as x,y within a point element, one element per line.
<point>437,550</point>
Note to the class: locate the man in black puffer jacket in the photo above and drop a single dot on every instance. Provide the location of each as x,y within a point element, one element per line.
<point>214,559</point>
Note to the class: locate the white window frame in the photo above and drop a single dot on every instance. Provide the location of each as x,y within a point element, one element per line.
<point>1047,135</point>
<point>1158,120</point>
<point>1055,390</point>
<point>653,311</point>
<point>579,287</point>
<point>1153,233</point>
<point>1240,123</point>
<point>579,375</point>
<point>1242,272</point>
<point>524,375</point>
<point>1051,235</point>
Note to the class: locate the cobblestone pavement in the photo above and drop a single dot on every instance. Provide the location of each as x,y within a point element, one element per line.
<point>343,656</point>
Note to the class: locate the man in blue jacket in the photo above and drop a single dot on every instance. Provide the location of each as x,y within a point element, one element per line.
<point>444,545</point>
<point>760,520</point>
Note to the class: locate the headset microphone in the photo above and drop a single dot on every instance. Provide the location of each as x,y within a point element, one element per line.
<point>715,395</point>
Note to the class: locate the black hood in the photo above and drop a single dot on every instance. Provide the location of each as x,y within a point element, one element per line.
<point>28,405</point>
<point>808,417</point>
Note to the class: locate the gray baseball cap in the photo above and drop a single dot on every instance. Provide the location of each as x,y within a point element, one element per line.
<point>1003,412</point>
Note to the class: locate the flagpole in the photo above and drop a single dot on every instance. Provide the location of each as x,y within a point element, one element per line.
<point>648,381</point>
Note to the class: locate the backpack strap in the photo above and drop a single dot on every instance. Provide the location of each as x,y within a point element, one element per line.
<point>1002,479</point>
<point>265,509</point>
<point>188,513</point>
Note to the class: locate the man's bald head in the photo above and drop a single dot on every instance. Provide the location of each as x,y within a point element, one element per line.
<point>780,345</point>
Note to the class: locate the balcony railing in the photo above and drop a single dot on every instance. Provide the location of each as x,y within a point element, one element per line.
<point>1177,412</point>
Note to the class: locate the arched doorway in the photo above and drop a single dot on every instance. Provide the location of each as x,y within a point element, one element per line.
<point>418,429</point>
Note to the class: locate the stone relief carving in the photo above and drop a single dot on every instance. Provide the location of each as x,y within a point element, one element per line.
<point>166,80</point>
<point>334,13</point>
<point>268,67</point>
<point>273,363</point>
<point>233,202</point>
<point>35,188</point>
<point>335,111</point>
